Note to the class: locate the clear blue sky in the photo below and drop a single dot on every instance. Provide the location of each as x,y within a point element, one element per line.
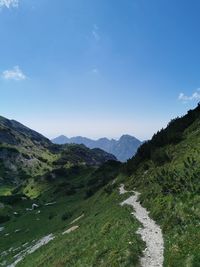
<point>98,67</point>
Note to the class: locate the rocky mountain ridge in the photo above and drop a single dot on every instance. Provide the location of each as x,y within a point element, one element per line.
<point>124,148</point>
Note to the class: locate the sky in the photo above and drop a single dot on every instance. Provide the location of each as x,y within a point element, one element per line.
<point>99,68</point>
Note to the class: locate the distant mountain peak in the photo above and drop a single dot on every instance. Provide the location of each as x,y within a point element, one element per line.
<point>62,136</point>
<point>128,136</point>
<point>123,148</point>
<point>25,152</point>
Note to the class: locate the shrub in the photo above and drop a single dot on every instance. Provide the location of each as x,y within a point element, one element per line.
<point>52,215</point>
<point>42,159</point>
<point>10,200</point>
<point>90,192</point>
<point>108,189</point>
<point>67,215</point>
<point>70,191</point>
<point>4,218</point>
<point>159,156</point>
<point>26,156</point>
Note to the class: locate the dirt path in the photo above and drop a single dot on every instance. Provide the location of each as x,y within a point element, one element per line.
<point>151,233</point>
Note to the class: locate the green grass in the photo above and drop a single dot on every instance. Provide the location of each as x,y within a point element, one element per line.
<point>33,189</point>
<point>5,190</point>
<point>171,191</point>
<point>102,238</point>
<point>106,234</point>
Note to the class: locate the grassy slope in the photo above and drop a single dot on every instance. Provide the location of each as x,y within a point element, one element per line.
<point>22,161</point>
<point>169,181</point>
<point>102,238</point>
<point>171,191</point>
<point>25,154</point>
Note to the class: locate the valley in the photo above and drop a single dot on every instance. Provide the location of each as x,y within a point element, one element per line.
<point>70,212</point>
<point>99,133</point>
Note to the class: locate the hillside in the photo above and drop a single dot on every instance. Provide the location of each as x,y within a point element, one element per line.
<point>25,153</point>
<point>166,170</point>
<point>124,148</point>
<point>75,206</point>
<point>13,133</point>
<point>73,203</point>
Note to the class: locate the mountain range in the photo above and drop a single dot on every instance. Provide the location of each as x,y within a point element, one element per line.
<point>123,149</point>
<point>25,153</point>
<point>60,204</point>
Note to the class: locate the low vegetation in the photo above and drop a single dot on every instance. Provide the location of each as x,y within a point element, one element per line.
<point>70,182</point>
<point>94,243</point>
<point>166,170</point>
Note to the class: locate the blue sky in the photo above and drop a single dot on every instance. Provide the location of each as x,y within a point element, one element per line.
<point>98,67</point>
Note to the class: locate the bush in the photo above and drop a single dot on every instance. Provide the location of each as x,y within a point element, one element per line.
<point>10,200</point>
<point>52,215</point>
<point>102,176</point>
<point>108,189</point>
<point>67,215</point>
<point>16,190</point>
<point>26,156</point>
<point>90,192</point>
<point>159,156</point>
<point>4,218</point>
<point>70,191</point>
<point>42,159</point>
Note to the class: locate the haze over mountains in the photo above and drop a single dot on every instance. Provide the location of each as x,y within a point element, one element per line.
<point>123,149</point>
<point>70,194</point>
<point>25,153</point>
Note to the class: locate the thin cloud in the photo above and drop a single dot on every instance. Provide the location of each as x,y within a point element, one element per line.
<point>9,3</point>
<point>95,33</point>
<point>15,74</point>
<point>195,96</point>
<point>95,71</point>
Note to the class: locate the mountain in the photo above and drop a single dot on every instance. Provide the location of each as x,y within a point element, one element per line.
<point>166,170</point>
<point>68,189</point>
<point>75,203</point>
<point>123,149</point>
<point>74,154</point>
<point>15,133</point>
<point>25,153</point>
